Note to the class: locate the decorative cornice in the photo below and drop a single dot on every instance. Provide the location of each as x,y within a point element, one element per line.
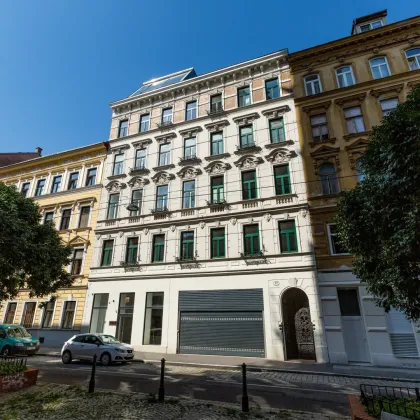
<point>325,150</point>
<point>248,162</point>
<point>246,119</point>
<point>115,186</point>
<point>142,143</point>
<point>315,107</point>
<point>357,98</point>
<point>280,156</point>
<point>190,132</point>
<point>121,148</point>
<point>162,178</point>
<point>189,172</point>
<point>358,144</point>
<point>280,144</point>
<point>165,138</point>
<point>163,167</point>
<point>119,176</point>
<point>217,126</point>
<point>138,181</point>
<point>413,83</point>
<point>395,88</point>
<point>217,157</point>
<point>217,167</point>
<point>331,140</point>
<point>365,134</point>
<point>276,112</point>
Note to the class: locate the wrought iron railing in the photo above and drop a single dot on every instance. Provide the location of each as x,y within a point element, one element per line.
<point>401,401</point>
<point>165,123</point>
<point>163,209</point>
<point>221,201</point>
<point>215,109</point>
<point>246,146</point>
<point>188,157</point>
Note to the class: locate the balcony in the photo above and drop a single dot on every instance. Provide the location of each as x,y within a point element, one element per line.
<point>165,124</point>
<point>216,110</point>
<point>139,170</point>
<point>247,148</point>
<point>220,202</point>
<point>189,159</point>
<point>159,210</point>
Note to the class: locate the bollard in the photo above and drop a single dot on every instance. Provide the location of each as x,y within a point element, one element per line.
<point>162,380</point>
<point>92,376</point>
<point>245,402</point>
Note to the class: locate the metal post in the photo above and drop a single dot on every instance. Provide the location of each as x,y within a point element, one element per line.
<point>245,402</point>
<point>417,394</point>
<point>162,381</point>
<point>92,376</point>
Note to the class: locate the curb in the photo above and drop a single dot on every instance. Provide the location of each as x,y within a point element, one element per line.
<point>264,369</point>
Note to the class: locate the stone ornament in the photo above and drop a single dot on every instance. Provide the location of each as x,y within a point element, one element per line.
<point>145,231</point>
<point>115,186</point>
<point>217,167</point>
<point>248,162</point>
<point>120,233</point>
<point>173,227</point>
<point>202,224</point>
<point>138,181</point>
<point>267,217</point>
<point>162,178</point>
<point>98,236</point>
<point>280,155</point>
<point>233,221</point>
<point>303,213</point>
<point>189,172</point>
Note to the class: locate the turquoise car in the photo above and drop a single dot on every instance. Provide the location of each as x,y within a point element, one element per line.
<point>14,339</point>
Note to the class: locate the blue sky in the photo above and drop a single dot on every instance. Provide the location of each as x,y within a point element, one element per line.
<point>62,62</point>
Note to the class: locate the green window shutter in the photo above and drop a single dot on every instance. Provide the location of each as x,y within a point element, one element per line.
<point>277,133</point>
<point>282,180</point>
<point>288,238</point>
<point>249,185</point>
<point>252,240</point>
<point>218,243</point>
<point>107,253</point>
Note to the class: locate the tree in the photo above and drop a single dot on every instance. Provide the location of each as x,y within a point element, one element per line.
<point>379,220</point>
<point>32,255</point>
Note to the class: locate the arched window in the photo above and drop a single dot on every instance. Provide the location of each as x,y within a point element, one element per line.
<point>345,76</point>
<point>379,67</point>
<point>359,171</point>
<point>329,180</point>
<point>413,58</point>
<point>313,84</point>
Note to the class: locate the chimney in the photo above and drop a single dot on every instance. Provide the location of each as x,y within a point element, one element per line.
<point>38,150</point>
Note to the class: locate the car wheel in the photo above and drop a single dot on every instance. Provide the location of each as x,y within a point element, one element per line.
<point>6,351</point>
<point>106,359</point>
<point>66,357</point>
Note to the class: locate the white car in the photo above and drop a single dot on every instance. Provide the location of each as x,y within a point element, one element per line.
<point>106,347</point>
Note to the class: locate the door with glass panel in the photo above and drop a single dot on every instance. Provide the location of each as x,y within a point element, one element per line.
<point>153,319</point>
<point>100,305</point>
<point>125,317</point>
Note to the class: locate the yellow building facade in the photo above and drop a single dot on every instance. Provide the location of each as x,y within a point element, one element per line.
<point>342,89</point>
<point>67,187</point>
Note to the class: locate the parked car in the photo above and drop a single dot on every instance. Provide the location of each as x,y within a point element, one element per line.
<point>106,347</point>
<point>14,339</point>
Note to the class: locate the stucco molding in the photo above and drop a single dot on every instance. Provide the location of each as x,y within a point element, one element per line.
<point>138,181</point>
<point>165,138</point>
<point>189,172</point>
<point>356,150</point>
<point>118,149</point>
<point>280,156</point>
<point>322,106</point>
<point>356,99</point>
<point>142,143</point>
<point>248,162</point>
<point>386,90</point>
<point>217,167</point>
<point>190,132</point>
<point>115,186</point>
<point>246,119</point>
<point>326,154</point>
<point>276,112</point>
<point>217,125</point>
<point>162,178</point>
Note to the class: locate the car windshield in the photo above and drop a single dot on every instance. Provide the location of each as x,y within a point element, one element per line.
<point>18,332</point>
<point>109,339</point>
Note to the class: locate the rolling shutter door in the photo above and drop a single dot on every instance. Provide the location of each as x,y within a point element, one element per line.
<point>222,322</point>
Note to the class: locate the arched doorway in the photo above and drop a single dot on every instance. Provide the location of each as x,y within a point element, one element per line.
<point>298,333</point>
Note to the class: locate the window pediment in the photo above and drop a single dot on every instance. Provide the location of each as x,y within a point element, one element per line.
<point>316,108</point>
<point>162,178</point>
<point>138,181</point>
<point>165,138</point>
<point>326,154</point>
<point>142,143</point>
<point>115,186</point>
<point>190,132</point>
<point>396,89</point>
<point>217,126</point>
<point>280,155</point>
<point>351,99</point>
<point>276,112</point>
<point>78,241</point>
<point>189,172</point>
<point>248,161</point>
<point>120,149</point>
<point>217,167</point>
<point>246,119</point>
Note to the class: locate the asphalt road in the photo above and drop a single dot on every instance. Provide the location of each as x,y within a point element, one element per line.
<point>200,383</point>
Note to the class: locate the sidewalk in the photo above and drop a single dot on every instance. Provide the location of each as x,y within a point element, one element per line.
<point>268,365</point>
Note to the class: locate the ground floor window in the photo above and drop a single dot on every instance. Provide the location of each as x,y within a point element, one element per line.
<point>47,317</point>
<point>153,318</point>
<point>401,334</point>
<point>10,313</point>
<point>69,309</point>
<point>125,317</point>
<point>100,305</point>
<point>28,314</point>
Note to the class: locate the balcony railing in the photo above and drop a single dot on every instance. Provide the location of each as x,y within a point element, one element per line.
<point>163,209</point>
<point>215,109</point>
<point>246,146</point>
<point>138,169</point>
<point>166,123</point>
<point>188,158</point>
<point>219,202</point>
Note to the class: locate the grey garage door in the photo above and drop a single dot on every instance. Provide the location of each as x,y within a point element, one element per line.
<point>222,322</point>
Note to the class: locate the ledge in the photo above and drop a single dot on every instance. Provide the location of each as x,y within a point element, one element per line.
<point>279,144</point>
<point>217,157</point>
<point>140,171</point>
<point>67,192</point>
<point>245,150</point>
<point>164,167</point>
<point>119,176</point>
<point>354,135</point>
<point>330,140</point>
<point>192,161</point>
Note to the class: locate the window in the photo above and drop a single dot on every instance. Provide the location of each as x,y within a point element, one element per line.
<point>282,180</point>
<point>371,25</point>
<point>144,123</point>
<point>162,198</point>
<point>123,130</point>
<point>191,110</point>
<point>349,302</point>
<point>99,307</point>
<point>217,190</point>
<point>113,206</point>
<point>249,185</point>
<point>188,195</point>
<point>335,246</point>
<point>379,68</point>
<point>164,154</point>
<point>125,317</point>
<point>73,181</point>
<point>246,135</point>
<point>118,164</point>
<point>277,133</point>
<point>345,76</point>
<point>10,313</point>
<point>167,116</point>
<point>413,58</point>
<point>136,199</point>
<point>244,96</point>
<point>107,253</point>
<point>354,120</point>
<point>28,314</point>
<point>153,319</point>
<point>65,219</point>
<point>216,140</point>
<point>25,188</point>
<point>312,84</point>
<point>401,334</point>
<point>218,243</point>
<point>55,187</point>
<point>216,104</point>
<point>91,177</point>
<point>359,171</point>
<point>252,240</point>
<point>39,187</point>
<point>140,162</point>
<point>288,239</point>
<point>84,216</point>
<point>69,309</point>
<point>189,148</point>
<point>329,180</point>
<point>132,250</point>
<point>272,89</point>
<point>158,248</point>
<point>187,245</point>
<point>387,105</point>
<point>77,261</point>
<point>47,316</point>
<point>319,127</point>
<point>48,217</point>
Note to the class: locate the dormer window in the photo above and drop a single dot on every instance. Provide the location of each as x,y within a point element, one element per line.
<point>312,84</point>
<point>365,27</point>
<point>345,76</point>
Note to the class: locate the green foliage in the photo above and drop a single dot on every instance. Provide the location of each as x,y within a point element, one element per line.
<point>379,220</point>
<point>7,368</point>
<point>32,254</point>
<point>405,407</point>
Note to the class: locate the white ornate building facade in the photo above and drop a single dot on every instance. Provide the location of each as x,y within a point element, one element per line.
<point>203,239</point>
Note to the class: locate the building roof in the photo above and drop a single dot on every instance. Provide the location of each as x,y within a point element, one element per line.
<point>7,159</point>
